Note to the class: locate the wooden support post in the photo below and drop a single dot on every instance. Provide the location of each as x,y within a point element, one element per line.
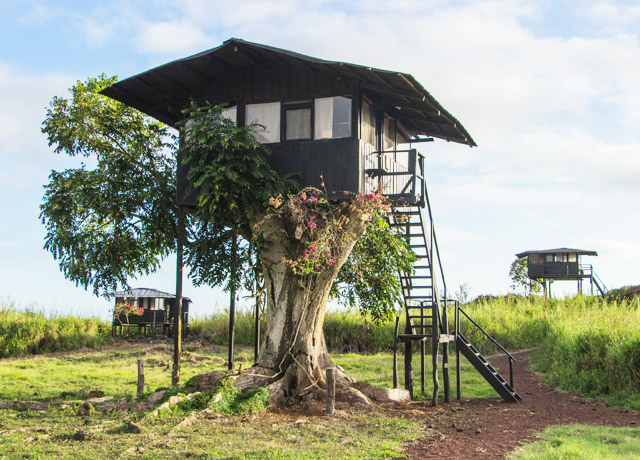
<point>445,372</point>
<point>408,357</point>
<point>256,332</point>
<point>232,305</point>
<point>445,355</point>
<point>434,354</point>
<point>177,318</point>
<point>331,391</point>
<point>422,366</point>
<point>232,324</point>
<point>153,331</point>
<point>457,372</point>
<point>395,353</point>
<point>140,377</point>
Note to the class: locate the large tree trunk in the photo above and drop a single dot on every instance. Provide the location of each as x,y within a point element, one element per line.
<point>294,353</point>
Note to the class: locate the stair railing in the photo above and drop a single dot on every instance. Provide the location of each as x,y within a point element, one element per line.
<point>494,341</point>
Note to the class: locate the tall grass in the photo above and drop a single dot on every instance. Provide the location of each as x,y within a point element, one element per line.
<point>345,332</point>
<point>28,332</point>
<point>586,344</point>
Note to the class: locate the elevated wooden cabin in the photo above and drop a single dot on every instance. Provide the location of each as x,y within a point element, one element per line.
<point>349,123</point>
<point>561,264</point>
<point>159,311</point>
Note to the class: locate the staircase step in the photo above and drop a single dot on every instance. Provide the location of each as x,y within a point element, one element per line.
<point>417,277</point>
<point>490,374</point>
<point>413,336</point>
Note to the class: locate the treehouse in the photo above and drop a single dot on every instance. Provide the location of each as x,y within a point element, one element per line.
<point>157,311</point>
<point>352,125</point>
<point>561,264</point>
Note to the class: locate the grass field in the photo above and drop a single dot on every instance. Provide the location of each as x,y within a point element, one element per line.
<point>581,442</point>
<point>70,377</point>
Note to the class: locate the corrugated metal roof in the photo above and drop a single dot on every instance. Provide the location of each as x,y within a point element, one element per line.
<point>146,293</point>
<point>580,252</point>
<point>164,91</point>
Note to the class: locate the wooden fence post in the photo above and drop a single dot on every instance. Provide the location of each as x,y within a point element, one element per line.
<point>331,391</point>
<point>140,377</point>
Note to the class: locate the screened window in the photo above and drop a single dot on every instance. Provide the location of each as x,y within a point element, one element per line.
<point>298,123</point>
<point>268,116</point>
<point>368,128</point>
<point>231,113</point>
<point>389,133</point>
<point>332,117</point>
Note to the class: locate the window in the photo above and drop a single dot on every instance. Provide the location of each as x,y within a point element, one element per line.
<point>368,128</point>
<point>231,113</point>
<point>268,116</point>
<point>332,117</point>
<point>548,258</point>
<point>573,257</point>
<point>297,120</point>
<point>389,133</point>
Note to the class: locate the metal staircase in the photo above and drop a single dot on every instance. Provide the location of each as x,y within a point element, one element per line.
<point>490,374</point>
<point>402,180</point>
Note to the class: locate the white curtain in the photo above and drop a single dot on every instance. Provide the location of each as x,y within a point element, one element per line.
<point>231,113</point>
<point>267,115</point>
<point>299,124</point>
<point>323,120</point>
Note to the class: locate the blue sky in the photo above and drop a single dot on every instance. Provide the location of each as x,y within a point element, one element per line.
<point>548,89</point>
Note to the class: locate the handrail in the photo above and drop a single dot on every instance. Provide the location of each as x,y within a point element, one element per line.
<point>487,335</point>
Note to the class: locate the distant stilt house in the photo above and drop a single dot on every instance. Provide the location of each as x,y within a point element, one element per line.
<point>157,311</point>
<point>549,265</point>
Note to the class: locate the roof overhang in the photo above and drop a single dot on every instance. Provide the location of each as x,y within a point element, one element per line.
<point>580,252</point>
<point>164,91</point>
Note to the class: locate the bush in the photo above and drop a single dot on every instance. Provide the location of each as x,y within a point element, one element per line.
<point>27,332</point>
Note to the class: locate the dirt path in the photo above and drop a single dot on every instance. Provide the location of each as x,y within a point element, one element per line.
<point>488,429</point>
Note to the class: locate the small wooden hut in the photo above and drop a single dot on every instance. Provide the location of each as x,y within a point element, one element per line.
<point>158,311</point>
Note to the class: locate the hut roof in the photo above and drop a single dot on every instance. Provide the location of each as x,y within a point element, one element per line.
<point>580,252</point>
<point>164,91</point>
<point>146,293</point>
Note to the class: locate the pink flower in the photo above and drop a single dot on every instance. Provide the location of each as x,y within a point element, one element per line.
<point>313,198</point>
<point>311,224</point>
<point>346,193</point>
<point>322,184</point>
<point>312,248</point>
<point>331,262</point>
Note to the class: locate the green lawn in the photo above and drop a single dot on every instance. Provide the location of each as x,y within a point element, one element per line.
<point>581,442</point>
<point>28,434</point>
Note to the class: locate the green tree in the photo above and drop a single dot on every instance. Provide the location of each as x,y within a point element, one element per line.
<point>520,279</point>
<point>118,219</point>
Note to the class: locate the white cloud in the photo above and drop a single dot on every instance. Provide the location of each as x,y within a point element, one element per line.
<point>171,38</point>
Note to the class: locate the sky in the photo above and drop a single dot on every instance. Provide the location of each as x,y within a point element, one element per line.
<point>549,90</point>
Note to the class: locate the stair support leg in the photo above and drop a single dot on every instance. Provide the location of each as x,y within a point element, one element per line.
<point>457,372</point>
<point>395,354</point>
<point>436,384</point>
<point>408,368</point>
<point>422,369</point>
<point>445,372</point>
<point>408,358</point>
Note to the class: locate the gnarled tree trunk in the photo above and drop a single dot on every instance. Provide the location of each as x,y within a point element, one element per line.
<point>294,353</point>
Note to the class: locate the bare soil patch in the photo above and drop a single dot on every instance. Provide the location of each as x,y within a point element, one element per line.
<point>490,428</point>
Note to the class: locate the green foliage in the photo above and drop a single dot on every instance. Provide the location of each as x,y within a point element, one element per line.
<point>229,170</point>
<point>582,443</point>
<point>117,219</point>
<point>628,293</point>
<point>520,279</point>
<point>234,401</point>
<point>26,332</point>
<point>369,278</point>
